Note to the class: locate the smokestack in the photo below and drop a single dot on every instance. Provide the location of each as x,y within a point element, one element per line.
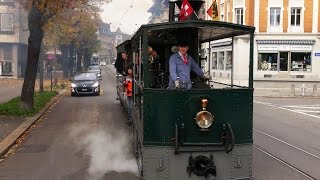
<point>171,11</point>
<point>196,5</point>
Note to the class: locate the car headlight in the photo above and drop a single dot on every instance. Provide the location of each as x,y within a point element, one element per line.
<point>204,119</point>
<point>96,84</point>
<point>73,85</point>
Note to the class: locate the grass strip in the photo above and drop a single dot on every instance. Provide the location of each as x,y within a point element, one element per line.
<point>12,107</point>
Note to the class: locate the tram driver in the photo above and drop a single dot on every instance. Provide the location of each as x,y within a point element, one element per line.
<point>180,66</point>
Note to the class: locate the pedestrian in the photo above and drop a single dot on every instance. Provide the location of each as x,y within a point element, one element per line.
<point>128,84</point>
<point>180,66</point>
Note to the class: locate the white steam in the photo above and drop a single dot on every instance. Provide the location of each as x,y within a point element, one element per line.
<point>109,150</point>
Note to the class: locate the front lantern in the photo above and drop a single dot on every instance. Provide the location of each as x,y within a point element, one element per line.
<point>204,119</point>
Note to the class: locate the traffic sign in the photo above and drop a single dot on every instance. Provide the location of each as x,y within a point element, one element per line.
<point>317,54</point>
<point>50,57</point>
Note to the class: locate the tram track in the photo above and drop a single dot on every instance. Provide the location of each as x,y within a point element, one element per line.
<point>283,159</point>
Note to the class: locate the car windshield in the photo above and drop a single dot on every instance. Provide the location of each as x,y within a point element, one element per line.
<point>85,76</point>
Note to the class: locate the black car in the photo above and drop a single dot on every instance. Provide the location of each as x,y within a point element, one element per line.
<point>85,83</point>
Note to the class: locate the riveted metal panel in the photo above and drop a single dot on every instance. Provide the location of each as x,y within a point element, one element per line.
<point>164,108</point>
<point>175,166</point>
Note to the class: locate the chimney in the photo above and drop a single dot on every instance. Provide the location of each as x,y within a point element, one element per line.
<point>196,5</point>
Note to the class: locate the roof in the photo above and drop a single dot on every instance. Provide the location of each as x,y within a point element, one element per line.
<point>208,30</point>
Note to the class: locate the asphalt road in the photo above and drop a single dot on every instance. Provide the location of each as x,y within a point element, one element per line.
<point>80,138</point>
<point>86,138</point>
<point>289,130</point>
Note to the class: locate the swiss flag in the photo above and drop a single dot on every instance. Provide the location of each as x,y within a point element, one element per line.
<point>186,10</point>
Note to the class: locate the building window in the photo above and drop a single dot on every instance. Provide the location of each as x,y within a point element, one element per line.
<point>239,15</point>
<point>221,60</point>
<point>6,22</point>
<point>275,16</point>
<point>7,53</point>
<point>228,60</point>
<point>295,16</point>
<point>214,60</point>
<point>301,61</point>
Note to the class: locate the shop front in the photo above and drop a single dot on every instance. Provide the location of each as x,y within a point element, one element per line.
<point>284,56</point>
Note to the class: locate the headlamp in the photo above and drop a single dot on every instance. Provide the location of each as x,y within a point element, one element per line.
<point>204,118</point>
<point>73,85</point>
<point>96,84</point>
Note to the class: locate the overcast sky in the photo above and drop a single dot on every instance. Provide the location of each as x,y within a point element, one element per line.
<point>120,14</point>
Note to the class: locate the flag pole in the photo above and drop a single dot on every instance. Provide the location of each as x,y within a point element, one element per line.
<point>196,14</point>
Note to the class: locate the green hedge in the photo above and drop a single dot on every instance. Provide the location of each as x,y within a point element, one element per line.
<point>12,107</point>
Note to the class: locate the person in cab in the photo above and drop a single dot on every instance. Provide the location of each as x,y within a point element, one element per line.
<point>180,66</point>
<point>128,85</point>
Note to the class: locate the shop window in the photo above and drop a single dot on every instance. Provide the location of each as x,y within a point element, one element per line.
<point>300,61</point>
<point>268,62</point>
<point>221,60</point>
<point>214,60</point>
<point>229,60</point>
<point>6,68</point>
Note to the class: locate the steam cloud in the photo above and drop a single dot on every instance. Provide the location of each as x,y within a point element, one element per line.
<point>109,150</point>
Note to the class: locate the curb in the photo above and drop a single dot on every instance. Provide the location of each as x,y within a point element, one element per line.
<point>10,140</point>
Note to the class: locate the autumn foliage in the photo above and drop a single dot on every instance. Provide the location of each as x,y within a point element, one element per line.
<point>67,17</point>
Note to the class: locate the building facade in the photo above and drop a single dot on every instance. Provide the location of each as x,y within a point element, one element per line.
<point>287,41</point>
<point>13,39</point>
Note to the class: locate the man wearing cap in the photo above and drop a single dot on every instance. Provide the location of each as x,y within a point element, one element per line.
<point>180,66</point>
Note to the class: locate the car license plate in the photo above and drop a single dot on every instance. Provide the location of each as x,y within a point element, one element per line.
<point>84,89</point>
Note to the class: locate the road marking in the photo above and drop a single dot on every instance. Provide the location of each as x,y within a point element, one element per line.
<point>271,105</point>
<point>287,164</point>
<point>308,111</point>
<point>305,106</point>
<point>295,147</point>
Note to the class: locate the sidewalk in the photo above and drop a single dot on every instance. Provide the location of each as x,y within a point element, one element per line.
<point>11,128</point>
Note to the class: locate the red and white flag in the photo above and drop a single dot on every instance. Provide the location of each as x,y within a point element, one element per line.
<point>186,10</point>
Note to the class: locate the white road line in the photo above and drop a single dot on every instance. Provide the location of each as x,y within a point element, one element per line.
<point>300,110</point>
<point>305,106</point>
<point>282,161</point>
<point>315,156</point>
<point>271,105</point>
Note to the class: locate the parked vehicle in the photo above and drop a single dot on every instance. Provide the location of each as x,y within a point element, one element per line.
<point>96,69</point>
<point>85,83</point>
<point>103,63</point>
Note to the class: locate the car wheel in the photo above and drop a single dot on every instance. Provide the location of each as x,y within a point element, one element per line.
<point>73,94</point>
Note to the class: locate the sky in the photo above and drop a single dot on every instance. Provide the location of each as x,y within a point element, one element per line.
<point>126,14</point>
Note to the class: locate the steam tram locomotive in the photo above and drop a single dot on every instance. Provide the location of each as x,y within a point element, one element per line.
<point>201,133</point>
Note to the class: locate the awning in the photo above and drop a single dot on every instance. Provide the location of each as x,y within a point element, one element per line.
<point>296,42</point>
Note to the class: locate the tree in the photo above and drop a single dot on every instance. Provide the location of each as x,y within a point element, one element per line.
<point>39,13</point>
